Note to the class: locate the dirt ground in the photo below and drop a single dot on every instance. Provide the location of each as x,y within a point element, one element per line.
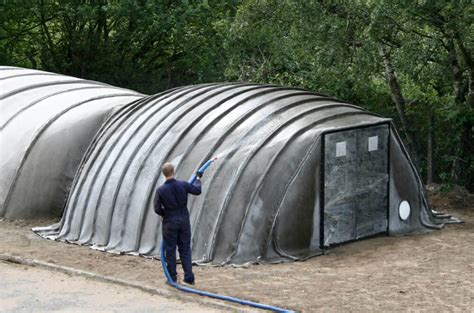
<point>430,272</point>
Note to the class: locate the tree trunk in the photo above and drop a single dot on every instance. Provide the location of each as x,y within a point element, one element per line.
<point>466,55</point>
<point>429,153</point>
<point>398,99</point>
<point>466,150</point>
<point>49,40</point>
<point>459,89</point>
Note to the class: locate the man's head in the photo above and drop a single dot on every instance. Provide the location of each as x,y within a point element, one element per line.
<point>168,170</point>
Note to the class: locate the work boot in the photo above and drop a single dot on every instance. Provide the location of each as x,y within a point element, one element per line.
<point>189,282</point>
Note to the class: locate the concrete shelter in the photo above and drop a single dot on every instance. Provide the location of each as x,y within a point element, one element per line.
<point>298,172</point>
<point>47,121</point>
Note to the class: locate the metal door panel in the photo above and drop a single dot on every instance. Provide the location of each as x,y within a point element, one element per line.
<point>355,184</point>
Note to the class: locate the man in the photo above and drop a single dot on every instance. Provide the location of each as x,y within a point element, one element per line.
<point>171,201</point>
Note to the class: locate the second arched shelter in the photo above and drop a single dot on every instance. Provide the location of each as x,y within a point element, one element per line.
<point>47,121</point>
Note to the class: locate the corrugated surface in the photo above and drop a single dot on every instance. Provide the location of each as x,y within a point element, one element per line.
<point>258,201</point>
<point>46,123</point>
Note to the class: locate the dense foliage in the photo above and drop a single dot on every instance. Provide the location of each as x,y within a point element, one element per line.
<point>409,60</point>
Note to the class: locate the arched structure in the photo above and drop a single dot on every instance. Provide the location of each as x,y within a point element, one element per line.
<point>297,172</point>
<point>46,123</point>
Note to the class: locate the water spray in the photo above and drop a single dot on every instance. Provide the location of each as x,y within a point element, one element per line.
<point>174,284</point>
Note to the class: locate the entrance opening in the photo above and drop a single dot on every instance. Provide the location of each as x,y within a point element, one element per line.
<point>354,202</point>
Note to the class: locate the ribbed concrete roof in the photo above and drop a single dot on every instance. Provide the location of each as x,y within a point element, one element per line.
<point>267,140</point>
<point>47,121</point>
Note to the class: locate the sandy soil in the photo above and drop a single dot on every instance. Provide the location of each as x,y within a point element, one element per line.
<point>431,272</point>
<point>30,289</point>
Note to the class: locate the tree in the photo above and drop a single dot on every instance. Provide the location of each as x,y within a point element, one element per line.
<point>408,60</point>
<point>144,45</point>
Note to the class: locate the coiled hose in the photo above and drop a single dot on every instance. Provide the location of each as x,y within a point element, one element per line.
<point>209,294</point>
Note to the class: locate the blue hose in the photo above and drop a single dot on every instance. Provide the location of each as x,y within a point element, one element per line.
<point>209,294</point>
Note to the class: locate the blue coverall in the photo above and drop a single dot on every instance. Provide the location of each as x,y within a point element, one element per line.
<point>171,201</point>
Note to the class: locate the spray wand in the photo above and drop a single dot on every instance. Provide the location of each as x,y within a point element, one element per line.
<point>202,169</point>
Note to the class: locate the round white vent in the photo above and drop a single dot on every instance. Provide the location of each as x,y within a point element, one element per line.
<point>404,210</point>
